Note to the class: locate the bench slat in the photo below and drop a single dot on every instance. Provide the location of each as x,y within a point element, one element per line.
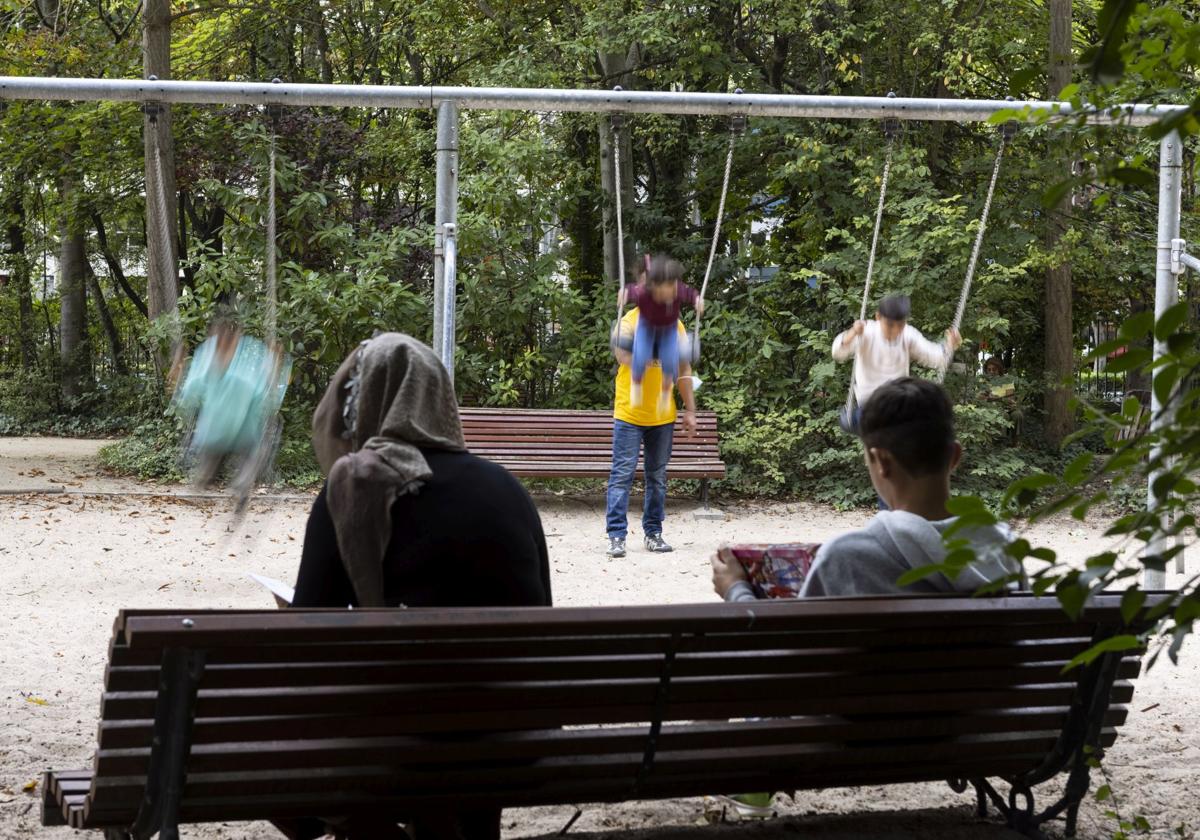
<point>370,745</point>
<point>415,783</point>
<point>337,671</point>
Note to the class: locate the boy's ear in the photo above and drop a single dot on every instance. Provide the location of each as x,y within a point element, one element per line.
<point>883,460</point>
<point>955,455</point>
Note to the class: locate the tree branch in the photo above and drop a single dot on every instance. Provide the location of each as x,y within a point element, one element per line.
<point>114,265</point>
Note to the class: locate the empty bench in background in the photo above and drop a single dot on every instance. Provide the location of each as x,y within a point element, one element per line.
<point>225,716</point>
<point>578,444</point>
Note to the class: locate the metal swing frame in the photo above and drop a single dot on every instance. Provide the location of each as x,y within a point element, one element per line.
<point>447,100</point>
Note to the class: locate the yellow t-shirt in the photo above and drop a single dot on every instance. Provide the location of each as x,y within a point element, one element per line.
<point>647,414</point>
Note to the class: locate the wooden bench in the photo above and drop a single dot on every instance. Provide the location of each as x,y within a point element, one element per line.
<point>225,716</point>
<point>578,444</point>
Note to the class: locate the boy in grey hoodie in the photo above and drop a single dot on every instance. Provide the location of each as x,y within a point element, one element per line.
<point>907,429</point>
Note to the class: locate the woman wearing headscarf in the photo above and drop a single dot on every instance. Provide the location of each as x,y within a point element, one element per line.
<point>408,517</point>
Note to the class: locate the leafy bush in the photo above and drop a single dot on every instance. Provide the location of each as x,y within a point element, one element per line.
<point>151,451</point>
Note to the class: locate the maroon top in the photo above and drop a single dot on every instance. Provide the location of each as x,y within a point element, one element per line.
<point>661,314</point>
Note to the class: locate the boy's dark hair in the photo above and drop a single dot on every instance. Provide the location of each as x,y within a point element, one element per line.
<point>895,307</point>
<point>663,270</point>
<point>912,419</point>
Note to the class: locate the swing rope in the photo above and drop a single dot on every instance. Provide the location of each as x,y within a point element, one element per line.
<point>983,220</point>
<point>862,314</point>
<point>271,313</point>
<point>736,126</point>
<point>162,225</point>
<point>618,188</point>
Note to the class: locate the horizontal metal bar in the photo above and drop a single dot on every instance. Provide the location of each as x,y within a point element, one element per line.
<point>1190,261</point>
<point>548,99</point>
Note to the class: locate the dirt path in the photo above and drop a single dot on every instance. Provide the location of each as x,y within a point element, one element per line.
<point>70,560</point>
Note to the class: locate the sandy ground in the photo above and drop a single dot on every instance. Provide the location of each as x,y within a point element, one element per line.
<point>70,559</point>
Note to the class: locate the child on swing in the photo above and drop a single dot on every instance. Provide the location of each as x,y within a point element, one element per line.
<point>884,349</point>
<point>658,299</point>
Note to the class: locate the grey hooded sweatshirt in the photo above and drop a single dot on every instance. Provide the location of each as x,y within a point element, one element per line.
<point>870,561</point>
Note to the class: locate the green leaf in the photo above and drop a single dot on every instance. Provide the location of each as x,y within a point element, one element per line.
<point>1170,321</point>
<point>1134,176</point>
<point>1103,793</point>
<point>1076,471</point>
<point>1164,383</point>
<point>1072,596</point>
<point>1131,604</point>
<point>1113,644</point>
<point>1019,81</point>
<point>918,574</point>
<point>1134,327</point>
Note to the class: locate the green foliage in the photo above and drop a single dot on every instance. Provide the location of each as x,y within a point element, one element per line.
<point>150,451</point>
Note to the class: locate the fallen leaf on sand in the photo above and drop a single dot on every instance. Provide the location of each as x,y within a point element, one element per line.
<point>164,586</point>
<point>37,701</point>
<point>29,787</point>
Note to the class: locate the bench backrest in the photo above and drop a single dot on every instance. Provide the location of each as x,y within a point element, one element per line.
<point>309,712</point>
<point>550,443</point>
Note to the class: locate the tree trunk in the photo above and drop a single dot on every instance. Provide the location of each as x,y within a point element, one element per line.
<point>72,298</point>
<point>616,69</point>
<point>1060,351</point>
<point>19,275</point>
<point>162,287</point>
<point>111,334</point>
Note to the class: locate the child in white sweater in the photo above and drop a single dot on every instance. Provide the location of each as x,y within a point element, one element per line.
<point>884,349</point>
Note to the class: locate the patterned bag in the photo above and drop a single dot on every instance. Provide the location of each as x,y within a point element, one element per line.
<point>776,571</point>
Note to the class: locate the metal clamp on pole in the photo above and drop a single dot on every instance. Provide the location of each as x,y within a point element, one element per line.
<point>275,110</point>
<point>152,108</point>
<point>1181,260</point>
<point>738,122</point>
<point>1009,130</point>
<point>891,125</point>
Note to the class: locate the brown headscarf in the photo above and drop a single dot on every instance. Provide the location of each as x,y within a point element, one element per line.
<point>388,398</point>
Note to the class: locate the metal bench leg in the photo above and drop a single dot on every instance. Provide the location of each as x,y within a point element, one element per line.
<point>1072,819</point>
<point>174,711</point>
<point>704,493</point>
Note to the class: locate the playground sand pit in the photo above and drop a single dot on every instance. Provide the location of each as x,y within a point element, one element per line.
<point>71,558</point>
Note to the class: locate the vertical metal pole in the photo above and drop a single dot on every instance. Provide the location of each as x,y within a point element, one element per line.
<point>1166,294</point>
<point>445,211</point>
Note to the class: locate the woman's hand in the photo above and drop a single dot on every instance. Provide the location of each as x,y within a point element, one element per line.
<point>726,570</point>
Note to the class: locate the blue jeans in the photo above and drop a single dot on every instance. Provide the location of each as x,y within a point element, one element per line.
<point>651,342</point>
<point>628,440</point>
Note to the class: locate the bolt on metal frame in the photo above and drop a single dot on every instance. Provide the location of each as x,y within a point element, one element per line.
<point>448,100</point>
